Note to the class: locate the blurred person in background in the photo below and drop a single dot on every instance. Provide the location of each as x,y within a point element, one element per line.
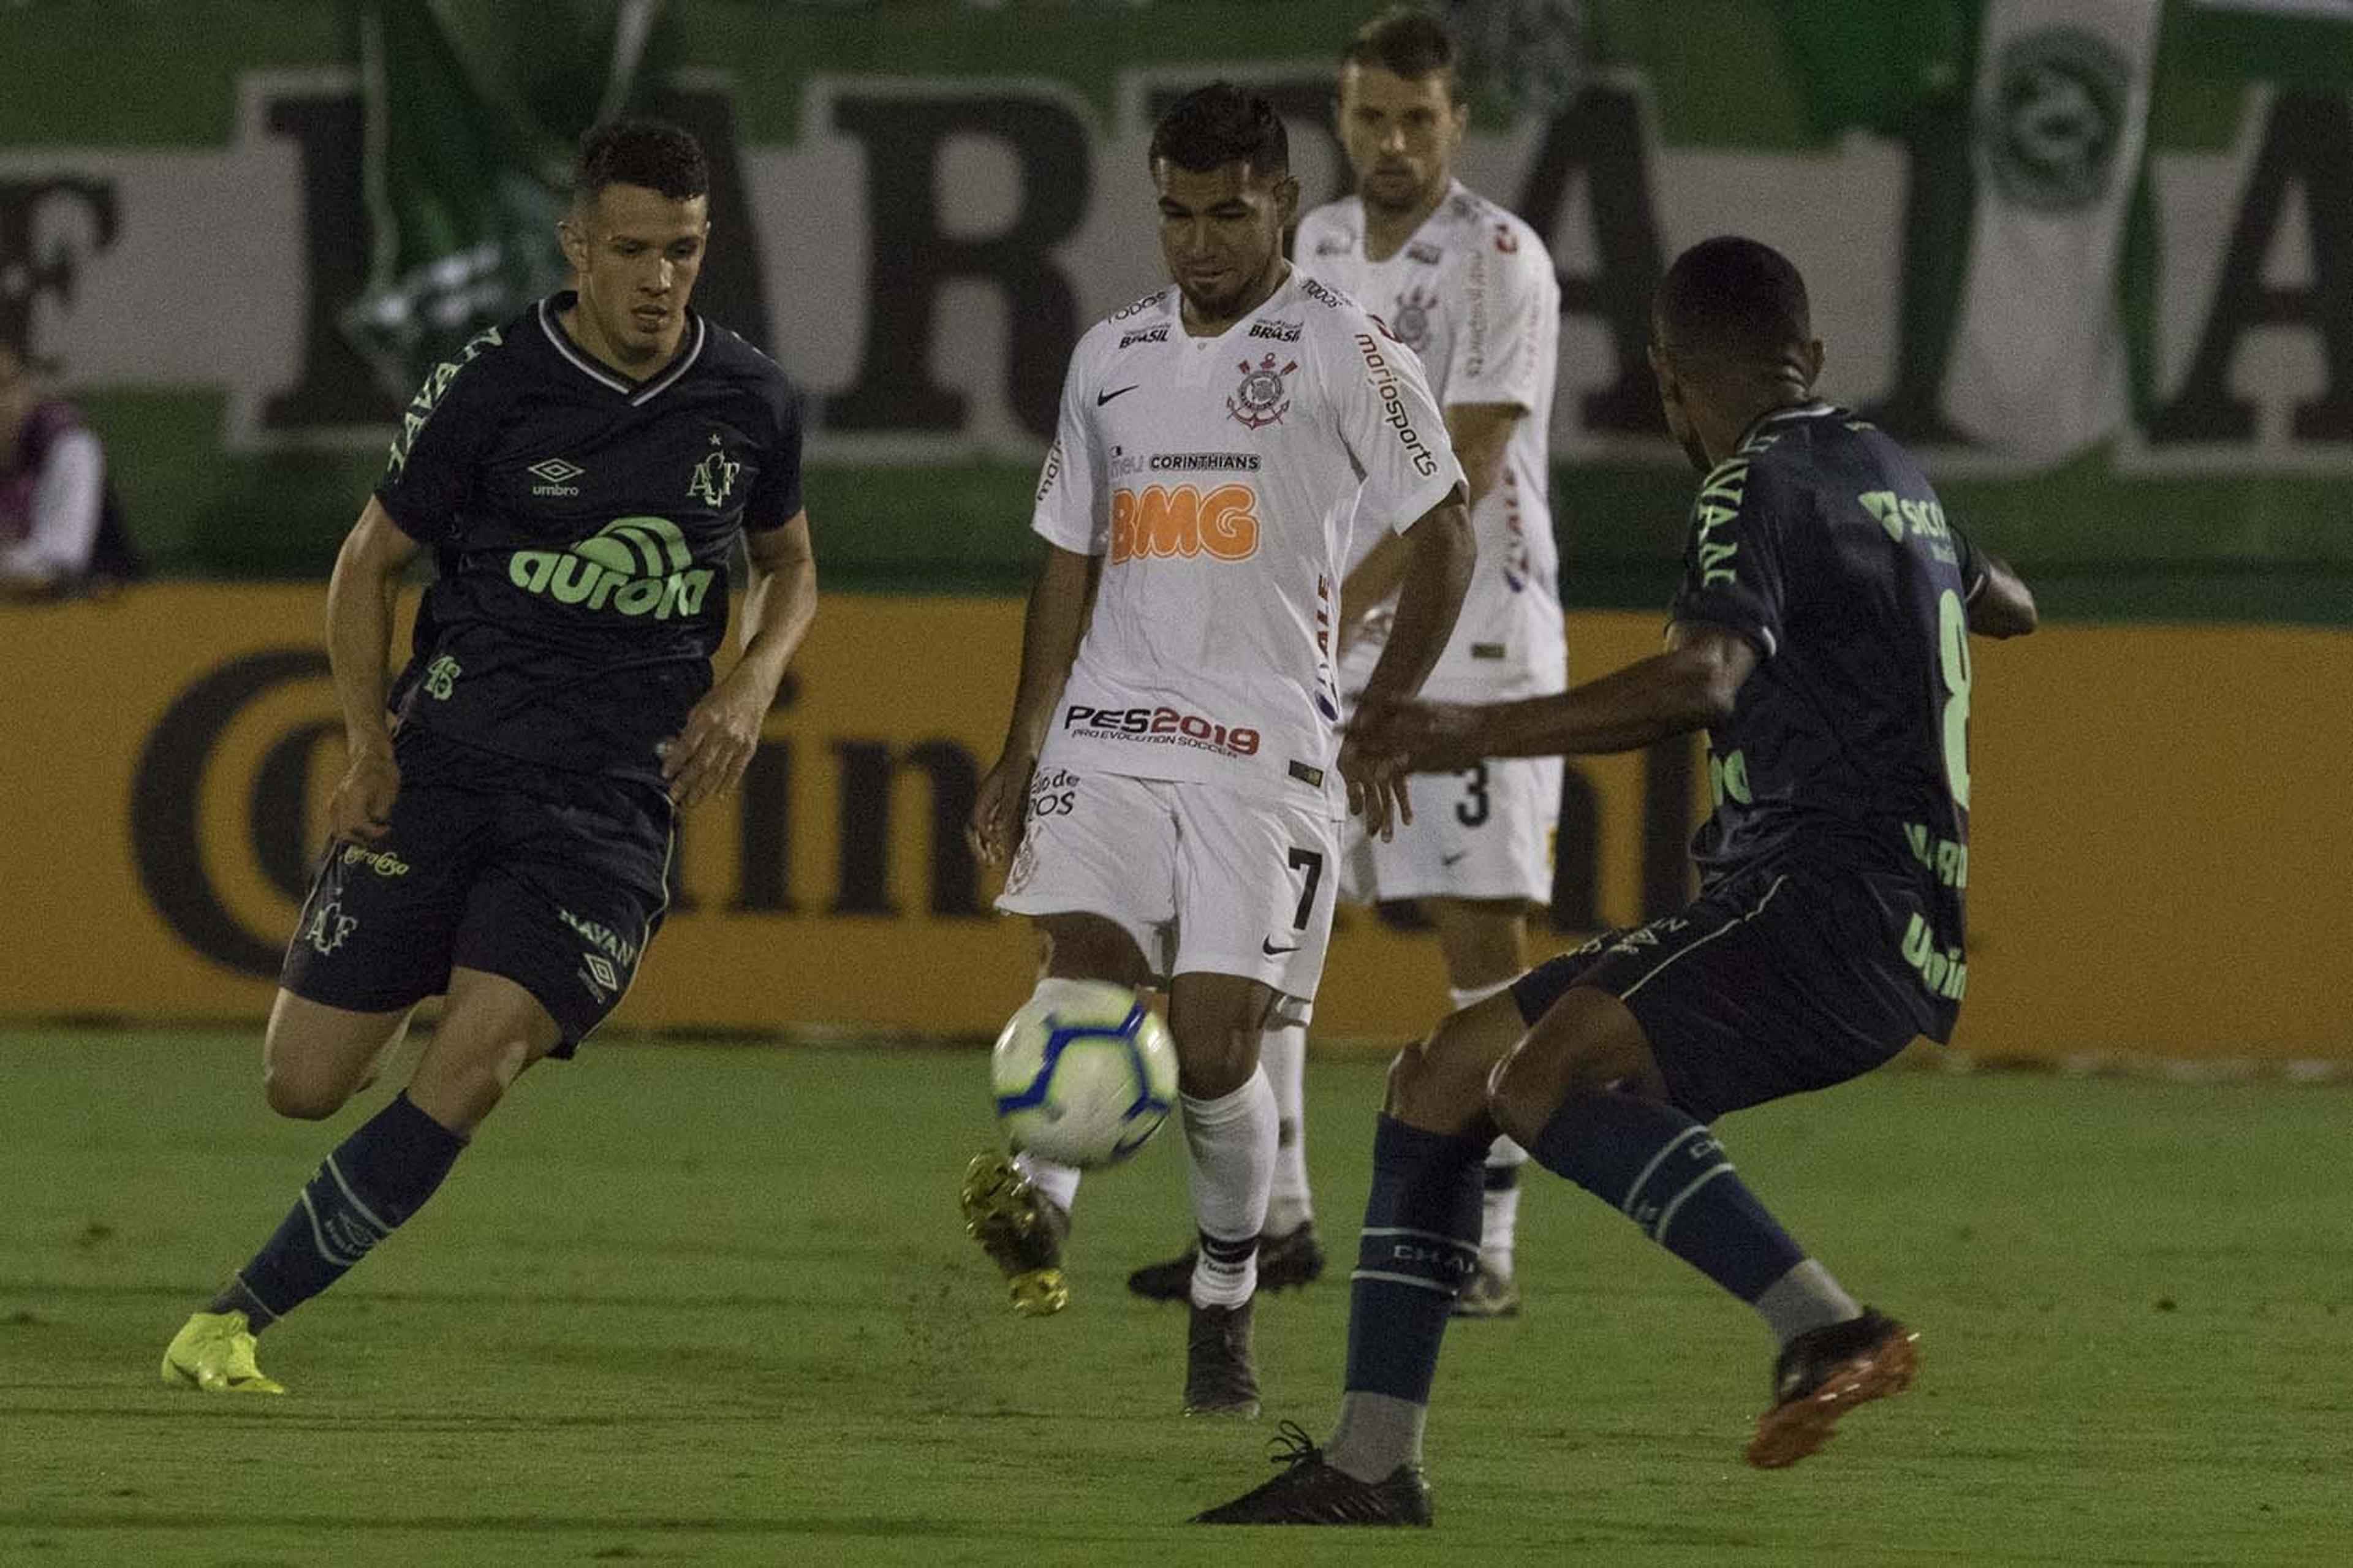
<point>60,530</point>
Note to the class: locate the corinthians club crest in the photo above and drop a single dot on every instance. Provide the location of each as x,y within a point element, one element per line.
<point>1262,399</point>
<point>1411,322</point>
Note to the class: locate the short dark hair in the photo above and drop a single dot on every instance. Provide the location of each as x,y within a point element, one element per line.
<point>653,153</point>
<point>1405,41</point>
<point>1219,124</point>
<point>1734,301</point>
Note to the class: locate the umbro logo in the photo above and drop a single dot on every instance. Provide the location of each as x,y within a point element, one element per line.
<point>557,476</point>
<point>1103,398</point>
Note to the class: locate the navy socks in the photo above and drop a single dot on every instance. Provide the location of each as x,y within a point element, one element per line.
<point>375,1179</point>
<point>1667,1173</point>
<point>1420,1243</point>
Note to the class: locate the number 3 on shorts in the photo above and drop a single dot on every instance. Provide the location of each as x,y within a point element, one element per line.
<point>1312,862</point>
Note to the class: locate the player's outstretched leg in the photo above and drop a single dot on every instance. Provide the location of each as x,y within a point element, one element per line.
<point>1017,1208</point>
<point>1559,1093</point>
<point>1290,1253</point>
<point>1419,1243</point>
<point>374,1180</point>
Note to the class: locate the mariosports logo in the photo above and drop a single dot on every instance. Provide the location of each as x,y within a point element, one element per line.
<point>632,566</point>
<point>1172,520</point>
<point>1162,727</point>
<point>1384,382</point>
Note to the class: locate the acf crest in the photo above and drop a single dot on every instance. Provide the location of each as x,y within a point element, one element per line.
<point>713,477</point>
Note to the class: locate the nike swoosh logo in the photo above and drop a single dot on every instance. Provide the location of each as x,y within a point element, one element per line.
<point>1449,859</point>
<point>1272,950</point>
<point>1103,398</point>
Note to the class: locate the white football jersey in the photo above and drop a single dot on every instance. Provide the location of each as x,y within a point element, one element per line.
<point>1218,479</point>
<point>1474,294</point>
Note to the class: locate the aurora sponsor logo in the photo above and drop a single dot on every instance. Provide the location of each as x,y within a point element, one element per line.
<point>631,566</point>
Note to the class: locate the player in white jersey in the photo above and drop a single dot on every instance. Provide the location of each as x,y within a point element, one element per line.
<point>1470,288</point>
<point>1181,765</point>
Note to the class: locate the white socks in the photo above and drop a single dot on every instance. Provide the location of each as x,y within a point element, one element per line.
<point>1060,1183</point>
<point>1283,1053</point>
<point>1499,1206</point>
<point>1233,1142</point>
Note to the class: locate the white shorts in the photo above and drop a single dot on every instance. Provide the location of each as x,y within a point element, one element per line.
<point>1485,833</point>
<point>1206,880</point>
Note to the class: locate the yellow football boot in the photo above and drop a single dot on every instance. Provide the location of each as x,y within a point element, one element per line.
<point>1021,1230</point>
<point>214,1352</point>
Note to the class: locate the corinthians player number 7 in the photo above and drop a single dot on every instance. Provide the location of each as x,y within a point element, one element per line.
<point>1176,730</point>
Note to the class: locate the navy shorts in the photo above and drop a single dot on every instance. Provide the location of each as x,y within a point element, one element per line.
<point>555,881</point>
<point>1774,982</point>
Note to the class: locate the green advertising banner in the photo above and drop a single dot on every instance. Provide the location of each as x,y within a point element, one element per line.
<point>2093,258</point>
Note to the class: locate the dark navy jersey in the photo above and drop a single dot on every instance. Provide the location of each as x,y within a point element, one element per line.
<point>580,526</point>
<point>1821,543</point>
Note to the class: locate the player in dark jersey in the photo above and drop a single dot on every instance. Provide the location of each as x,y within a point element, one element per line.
<point>502,834</point>
<point>1821,636</point>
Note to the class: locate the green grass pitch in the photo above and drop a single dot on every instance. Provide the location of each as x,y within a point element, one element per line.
<point>706,1304</point>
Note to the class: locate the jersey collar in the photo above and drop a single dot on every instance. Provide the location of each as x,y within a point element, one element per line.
<point>638,394</point>
<point>1815,408</point>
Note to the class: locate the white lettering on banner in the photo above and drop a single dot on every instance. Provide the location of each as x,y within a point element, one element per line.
<point>1031,200</point>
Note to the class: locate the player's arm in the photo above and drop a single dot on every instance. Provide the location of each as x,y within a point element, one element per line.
<point>1480,433</point>
<point>360,596</point>
<point>1073,517</point>
<point>1691,686</point>
<point>723,730</point>
<point>1056,620</point>
<point>2001,606</point>
<point>1439,555</point>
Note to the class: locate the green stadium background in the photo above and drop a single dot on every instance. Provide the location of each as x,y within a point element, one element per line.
<point>237,231</point>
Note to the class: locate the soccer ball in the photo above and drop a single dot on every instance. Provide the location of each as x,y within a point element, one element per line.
<point>1083,1074</point>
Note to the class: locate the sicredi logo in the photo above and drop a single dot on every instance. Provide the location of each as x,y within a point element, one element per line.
<point>1172,520</point>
